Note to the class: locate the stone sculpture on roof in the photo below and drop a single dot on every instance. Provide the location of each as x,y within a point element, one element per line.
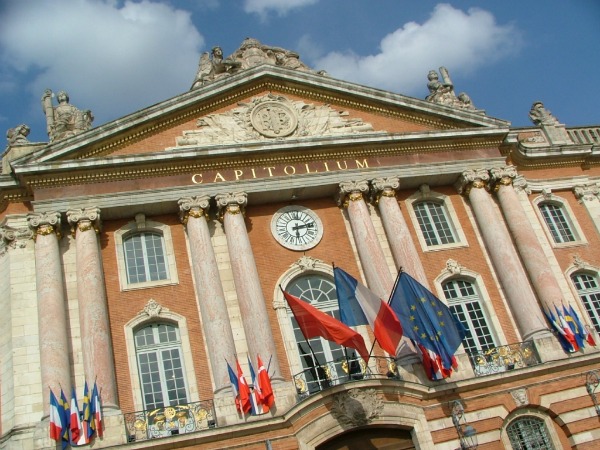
<point>213,66</point>
<point>64,120</point>
<point>442,92</point>
<point>18,135</point>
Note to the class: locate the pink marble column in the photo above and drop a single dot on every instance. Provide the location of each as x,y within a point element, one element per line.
<point>253,307</point>
<point>401,243</point>
<point>96,342</point>
<point>523,303</point>
<point>211,299</point>
<point>537,266</point>
<point>53,327</point>
<point>377,273</point>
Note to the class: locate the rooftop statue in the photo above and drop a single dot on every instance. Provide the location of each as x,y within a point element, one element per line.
<point>64,120</point>
<point>442,92</point>
<point>539,115</point>
<point>213,66</point>
<point>18,135</point>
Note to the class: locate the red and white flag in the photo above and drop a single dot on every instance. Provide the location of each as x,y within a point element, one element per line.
<point>265,388</point>
<point>244,393</point>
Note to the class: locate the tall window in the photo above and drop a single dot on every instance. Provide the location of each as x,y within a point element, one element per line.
<point>145,258</point>
<point>529,433</point>
<point>465,304</point>
<point>588,289</point>
<point>159,358</point>
<point>434,223</point>
<point>557,222</point>
<point>320,292</point>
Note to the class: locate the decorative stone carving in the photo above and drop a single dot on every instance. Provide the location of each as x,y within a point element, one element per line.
<point>18,135</point>
<point>520,397</point>
<point>305,263</point>
<point>580,263</point>
<point>152,309</point>
<point>14,237</point>
<point>443,92</point>
<point>555,131</point>
<point>520,184</point>
<point>64,120</point>
<point>453,267</point>
<point>271,117</point>
<point>232,203</point>
<point>84,219</point>
<point>472,179</point>
<point>384,187</point>
<point>356,407</point>
<point>351,191</point>
<point>45,223</point>
<point>194,207</point>
<point>587,193</point>
<point>251,53</point>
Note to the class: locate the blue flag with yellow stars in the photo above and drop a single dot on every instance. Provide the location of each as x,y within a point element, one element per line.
<point>426,319</point>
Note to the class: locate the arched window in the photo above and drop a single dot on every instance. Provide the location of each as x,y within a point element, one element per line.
<point>529,433</point>
<point>434,223</point>
<point>319,291</point>
<point>588,288</point>
<point>145,258</point>
<point>557,222</point>
<point>160,365</point>
<point>463,301</point>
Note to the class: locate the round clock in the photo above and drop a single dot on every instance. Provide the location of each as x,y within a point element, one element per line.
<point>297,227</point>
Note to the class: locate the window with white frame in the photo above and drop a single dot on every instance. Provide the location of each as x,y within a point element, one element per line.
<point>160,365</point>
<point>588,288</point>
<point>434,223</point>
<point>557,222</point>
<point>464,303</point>
<point>529,433</point>
<point>319,291</point>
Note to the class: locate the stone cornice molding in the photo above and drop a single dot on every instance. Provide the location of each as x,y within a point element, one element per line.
<point>587,192</point>
<point>470,179</point>
<point>193,207</point>
<point>351,191</point>
<point>84,219</point>
<point>45,223</point>
<point>384,187</point>
<point>232,203</point>
<point>14,237</point>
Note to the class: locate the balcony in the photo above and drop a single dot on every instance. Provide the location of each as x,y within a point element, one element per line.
<point>170,421</point>
<point>503,358</point>
<point>332,373</point>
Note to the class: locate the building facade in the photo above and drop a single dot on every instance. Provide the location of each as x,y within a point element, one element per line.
<point>145,254</point>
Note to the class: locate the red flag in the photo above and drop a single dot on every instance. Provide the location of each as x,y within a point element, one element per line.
<point>264,383</point>
<point>245,404</point>
<point>314,323</point>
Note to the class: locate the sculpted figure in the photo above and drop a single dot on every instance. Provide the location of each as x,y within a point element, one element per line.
<point>18,135</point>
<point>290,60</point>
<point>212,66</point>
<point>64,120</point>
<point>539,115</point>
<point>442,92</point>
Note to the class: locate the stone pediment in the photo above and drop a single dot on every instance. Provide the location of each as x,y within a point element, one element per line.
<point>272,117</point>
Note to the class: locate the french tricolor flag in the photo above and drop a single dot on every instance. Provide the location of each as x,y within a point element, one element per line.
<point>359,306</point>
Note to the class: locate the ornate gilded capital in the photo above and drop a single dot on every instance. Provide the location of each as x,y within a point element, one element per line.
<point>351,191</point>
<point>45,223</point>
<point>470,179</point>
<point>14,237</point>
<point>232,203</point>
<point>384,187</point>
<point>84,220</point>
<point>503,176</point>
<point>193,207</point>
<point>587,192</point>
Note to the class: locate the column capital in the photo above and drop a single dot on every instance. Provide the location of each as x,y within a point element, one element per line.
<point>84,219</point>
<point>469,179</point>
<point>587,192</point>
<point>503,176</point>
<point>232,203</point>
<point>351,191</point>
<point>14,237</point>
<point>384,187</point>
<point>193,207</point>
<point>45,223</point>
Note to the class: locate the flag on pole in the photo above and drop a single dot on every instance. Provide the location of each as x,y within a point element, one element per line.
<point>84,437</point>
<point>266,390</point>
<point>585,333</point>
<point>562,338</point>
<point>429,323</point>
<point>65,411</point>
<point>96,411</point>
<point>75,421</point>
<point>255,394</point>
<point>244,390</point>
<point>313,323</point>
<point>56,418</point>
<point>567,332</point>
<point>359,306</point>
<point>234,386</point>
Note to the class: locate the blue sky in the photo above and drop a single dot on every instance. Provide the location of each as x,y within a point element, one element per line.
<point>115,57</point>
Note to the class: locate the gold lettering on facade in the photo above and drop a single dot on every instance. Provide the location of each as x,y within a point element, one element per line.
<point>292,170</point>
<point>253,173</point>
<point>197,178</point>
<point>362,165</point>
<point>326,166</point>
<point>238,174</point>
<point>270,169</point>
<point>219,177</point>
<point>340,166</point>
<point>308,169</point>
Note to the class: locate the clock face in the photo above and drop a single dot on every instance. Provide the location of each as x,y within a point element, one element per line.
<point>296,227</point>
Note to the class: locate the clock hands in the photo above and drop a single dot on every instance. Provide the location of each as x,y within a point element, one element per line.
<point>304,225</point>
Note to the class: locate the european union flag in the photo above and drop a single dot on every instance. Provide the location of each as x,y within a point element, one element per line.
<point>425,319</point>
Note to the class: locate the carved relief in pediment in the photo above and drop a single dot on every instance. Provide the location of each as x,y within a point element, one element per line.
<point>272,117</point>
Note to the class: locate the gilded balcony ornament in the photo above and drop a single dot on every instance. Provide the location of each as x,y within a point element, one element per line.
<point>193,207</point>
<point>351,191</point>
<point>45,223</point>
<point>232,203</point>
<point>84,219</point>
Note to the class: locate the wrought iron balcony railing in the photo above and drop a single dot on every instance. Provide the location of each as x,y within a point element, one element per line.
<point>503,358</point>
<point>170,421</point>
<point>315,379</point>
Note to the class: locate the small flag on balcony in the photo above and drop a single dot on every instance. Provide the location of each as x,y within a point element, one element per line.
<point>255,394</point>
<point>234,386</point>
<point>268,399</point>
<point>84,437</point>
<point>244,390</point>
<point>64,404</point>
<point>75,421</point>
<point>566,340</point>
<point>96,411</point>
<point>56,418</point>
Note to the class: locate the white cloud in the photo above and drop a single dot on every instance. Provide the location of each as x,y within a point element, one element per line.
<point>281,7</point>
<point>101,51</point>
<point>460,41</point>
